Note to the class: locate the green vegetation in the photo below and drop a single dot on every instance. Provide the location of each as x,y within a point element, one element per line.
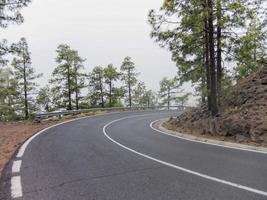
<point>25,77</point>
<point>129,76</point>
<point>203,36</point>
<point>206,35</point>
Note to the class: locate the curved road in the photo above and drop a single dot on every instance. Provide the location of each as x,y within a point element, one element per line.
<point>119,156</point>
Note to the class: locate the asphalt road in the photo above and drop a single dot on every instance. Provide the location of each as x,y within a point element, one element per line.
<point>77,161</point>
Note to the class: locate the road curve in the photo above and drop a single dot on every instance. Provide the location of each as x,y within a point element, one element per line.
<point>129,160</point>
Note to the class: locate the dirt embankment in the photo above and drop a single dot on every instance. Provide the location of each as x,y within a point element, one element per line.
<point>242,117</point>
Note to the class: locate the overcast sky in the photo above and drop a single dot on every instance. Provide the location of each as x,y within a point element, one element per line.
<point>103,31</point>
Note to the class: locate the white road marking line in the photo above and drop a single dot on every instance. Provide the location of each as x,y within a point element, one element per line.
<point>16,190</point>
<point>178,167</point>
<point>209,143</point>
<point>16,166</point>
<point>16,186</point>
<point>25,145</point>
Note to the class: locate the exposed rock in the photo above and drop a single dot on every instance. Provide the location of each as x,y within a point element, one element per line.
<point>243,113</point>
<point>255,137</point>
<point>236,127</point>
<point>240,138</point>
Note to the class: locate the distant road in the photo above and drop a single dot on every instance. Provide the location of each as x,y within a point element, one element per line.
<point>119,157</point>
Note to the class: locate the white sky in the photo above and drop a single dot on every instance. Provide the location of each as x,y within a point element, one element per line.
<point>103,31</point>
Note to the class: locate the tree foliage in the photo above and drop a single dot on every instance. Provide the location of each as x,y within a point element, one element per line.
<point>201,35</point>
<point>96,82</point>
<point>10,11</point>
<point>111,75</point>
<point>25,76</point>
<point>129,77</point>
<point>44,99</point>
<point>183,99</point>
<point>67,77</point>
<point>167,91</point>
<point>9,95</point>
<point>251,49</point>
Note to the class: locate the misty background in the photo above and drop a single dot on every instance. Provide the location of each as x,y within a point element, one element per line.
<point>102,31</point>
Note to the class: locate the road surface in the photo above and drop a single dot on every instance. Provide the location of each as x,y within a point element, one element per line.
<point>119,156</point>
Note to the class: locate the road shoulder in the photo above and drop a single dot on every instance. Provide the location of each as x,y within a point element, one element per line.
<point>157,125</point>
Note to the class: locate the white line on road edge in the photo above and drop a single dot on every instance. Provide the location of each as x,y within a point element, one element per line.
<point>177,167</point>
<point>16,190</point>
<point>24,146</point>
<point>16,166</point>
<point>16,186</point>
<point>198,141</point>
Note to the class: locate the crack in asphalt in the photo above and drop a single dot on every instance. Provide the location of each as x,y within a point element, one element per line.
<point>92,178</point>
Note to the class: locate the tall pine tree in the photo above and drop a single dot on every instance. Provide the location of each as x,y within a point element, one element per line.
<point>25,75</point>
<point>129,77</point>
<point>111,75</point>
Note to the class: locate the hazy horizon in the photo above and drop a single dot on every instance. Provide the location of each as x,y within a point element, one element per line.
<point>103,32</point>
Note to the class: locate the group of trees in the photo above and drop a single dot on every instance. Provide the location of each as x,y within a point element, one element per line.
<point>170,93</point>
<point>102,87</point>
<point>16,83</point>
<point>19,93</point>
<point>106,86</point>
<point>205,35</point>
<point>70,86</point>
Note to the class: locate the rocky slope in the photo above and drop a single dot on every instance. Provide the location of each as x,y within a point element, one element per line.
<point>242,117</point>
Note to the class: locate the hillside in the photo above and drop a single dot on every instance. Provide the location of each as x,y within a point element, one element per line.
<point>242,117</point>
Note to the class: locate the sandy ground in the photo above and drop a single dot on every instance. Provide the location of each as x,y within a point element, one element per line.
<point>13,134</point>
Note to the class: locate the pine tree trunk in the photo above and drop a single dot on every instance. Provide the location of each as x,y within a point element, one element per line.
<point>219,51</point>
<point>110,93</point>
<point>102,95</point>
<point>213,94</point>
<point>25,91</point>
<point>255,51</point>
<point>8,95</point>
<point>76,93</point>
<point>129,89</point>
<point>69,89</point>
<point>203,84</point>
<point>130,95</point>
<point>207,58</point>
<point>169,98</point>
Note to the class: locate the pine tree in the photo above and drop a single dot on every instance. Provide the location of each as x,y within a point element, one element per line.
<point>96,83</point>
<point>129,77</point>
<point>183,99</point>
<point>9,94</point>
<point>139,92</point>
<point>10,13</point>
<point>150,98</point>
<point>167,91</point>
<point>68,78</point>
<point>62,73</point>
<point>44,100</point>
<point>201,35</point>
<point>180,26</point>
<point>111,75</point>
<point>251,48</point>
<point>78,76</point>
<point>25,75</point>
